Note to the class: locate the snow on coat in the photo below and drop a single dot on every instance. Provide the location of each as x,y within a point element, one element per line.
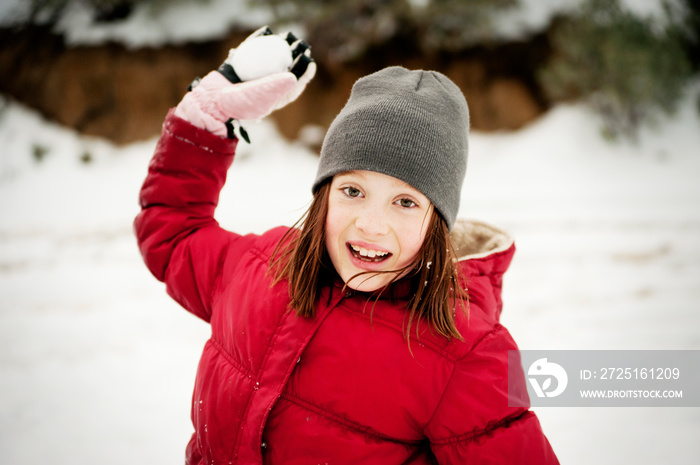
<point>341,387</point>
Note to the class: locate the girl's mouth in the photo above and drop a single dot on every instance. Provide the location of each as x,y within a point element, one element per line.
<point>368,255</point>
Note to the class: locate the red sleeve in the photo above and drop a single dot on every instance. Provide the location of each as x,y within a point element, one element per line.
<point>473,422</point>
<point>179,239</point>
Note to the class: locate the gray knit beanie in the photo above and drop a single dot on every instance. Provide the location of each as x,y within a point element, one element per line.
<point>411,125</point>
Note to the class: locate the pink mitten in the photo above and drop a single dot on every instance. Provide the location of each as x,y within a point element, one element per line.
<point>265,73</point>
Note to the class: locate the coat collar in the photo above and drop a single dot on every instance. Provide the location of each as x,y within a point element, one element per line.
<point>400,290</point>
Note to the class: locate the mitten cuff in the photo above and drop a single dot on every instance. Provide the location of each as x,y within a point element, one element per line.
<point>199,107</point>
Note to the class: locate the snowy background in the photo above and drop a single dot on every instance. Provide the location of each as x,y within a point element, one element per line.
<point>97,364</point>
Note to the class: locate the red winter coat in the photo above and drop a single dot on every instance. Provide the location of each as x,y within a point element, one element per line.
<point>339,388</point>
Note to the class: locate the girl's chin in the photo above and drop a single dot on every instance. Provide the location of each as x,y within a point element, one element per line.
<point>369,282</point>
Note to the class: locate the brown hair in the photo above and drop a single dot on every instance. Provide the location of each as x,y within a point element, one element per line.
<point>436,281</point>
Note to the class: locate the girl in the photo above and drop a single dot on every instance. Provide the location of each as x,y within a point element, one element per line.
<point>350,339</point>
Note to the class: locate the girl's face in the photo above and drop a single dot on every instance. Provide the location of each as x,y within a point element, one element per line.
<point>375,222</point>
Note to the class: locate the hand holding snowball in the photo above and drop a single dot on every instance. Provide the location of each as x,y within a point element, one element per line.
<point>265,73</point>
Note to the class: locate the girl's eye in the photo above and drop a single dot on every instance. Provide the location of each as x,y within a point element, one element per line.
<point>406,203</point>
<point>351,191</point>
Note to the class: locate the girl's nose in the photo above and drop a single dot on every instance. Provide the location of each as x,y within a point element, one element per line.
<point>372,221</point>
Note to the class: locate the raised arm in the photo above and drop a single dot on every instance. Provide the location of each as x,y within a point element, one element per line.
<point>181,242</point>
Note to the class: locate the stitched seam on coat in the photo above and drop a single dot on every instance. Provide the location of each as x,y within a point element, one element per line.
<point>430,345</point>
<point>490,273</point>
<point>454,368</point>
<point>265,250</point>
<point>495,328</point>
<point>183,139</point>
<point>365,430</point>
<point>442,396</point>
<point>249,403</point>
<point>230,358</point>
<point>478,433</point>
<point>218,287</point>
<point>259,254</point>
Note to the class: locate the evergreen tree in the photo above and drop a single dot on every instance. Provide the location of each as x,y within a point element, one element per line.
<point>628,68</point>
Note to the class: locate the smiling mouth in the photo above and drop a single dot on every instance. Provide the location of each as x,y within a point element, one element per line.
<point>368,255</point>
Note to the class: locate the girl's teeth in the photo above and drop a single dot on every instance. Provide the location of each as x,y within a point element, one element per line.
<point>367,253</point>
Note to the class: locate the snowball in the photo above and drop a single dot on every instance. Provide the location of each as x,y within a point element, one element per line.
<point>261,56</point>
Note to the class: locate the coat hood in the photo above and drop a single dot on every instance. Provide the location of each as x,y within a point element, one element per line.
<point>485,253</point>
<point>476,239</point>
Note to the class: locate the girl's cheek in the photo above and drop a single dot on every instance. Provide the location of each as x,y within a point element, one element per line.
<point>415,229</point>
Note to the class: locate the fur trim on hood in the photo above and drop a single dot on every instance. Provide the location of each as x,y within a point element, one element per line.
<point>475,239</point>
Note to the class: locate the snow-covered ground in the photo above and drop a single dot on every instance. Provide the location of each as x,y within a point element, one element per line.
<point>97,363</point>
